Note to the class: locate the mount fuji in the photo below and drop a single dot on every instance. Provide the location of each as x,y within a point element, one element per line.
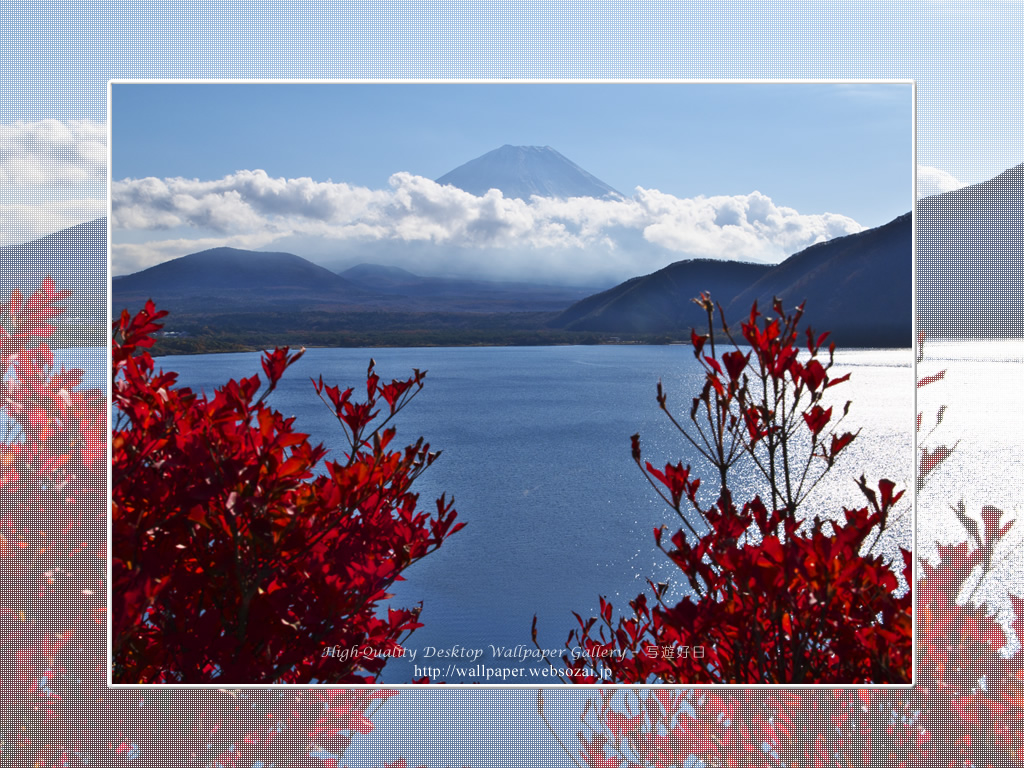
<point>522,172</point>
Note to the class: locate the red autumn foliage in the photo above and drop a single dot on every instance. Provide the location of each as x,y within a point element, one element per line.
<point>55,707</point>
<point>233,561</point>
<point>52,481</point>
<point>966,709</point>
<point>774,598</point>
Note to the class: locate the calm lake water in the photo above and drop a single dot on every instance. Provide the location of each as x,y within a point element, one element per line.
<point>536,452</point>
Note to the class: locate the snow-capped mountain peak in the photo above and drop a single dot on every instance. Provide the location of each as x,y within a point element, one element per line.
<point>522,172</point>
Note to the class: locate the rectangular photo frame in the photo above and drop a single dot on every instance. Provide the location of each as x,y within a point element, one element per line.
<point>592,301</point>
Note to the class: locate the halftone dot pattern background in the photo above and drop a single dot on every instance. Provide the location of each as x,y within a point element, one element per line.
<point>57,59</point>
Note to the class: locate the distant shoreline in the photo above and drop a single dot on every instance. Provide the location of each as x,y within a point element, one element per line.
<point>200,347</point>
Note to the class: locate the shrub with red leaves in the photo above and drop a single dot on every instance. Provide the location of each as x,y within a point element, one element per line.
<point>56,710</point>
<point>233,561</point>
<point>775,597</point>
<point>53,483</point>
<point>965,710</point>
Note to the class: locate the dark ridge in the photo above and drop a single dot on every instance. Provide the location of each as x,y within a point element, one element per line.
<point>660,302</point>
<point>76,259</point>
<point>226,277</point>
<point>858,287</point>
<point>970,247</point>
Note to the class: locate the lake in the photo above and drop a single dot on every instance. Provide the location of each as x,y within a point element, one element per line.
<point>536,452</point>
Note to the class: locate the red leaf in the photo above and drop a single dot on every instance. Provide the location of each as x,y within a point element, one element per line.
<point>931,459</point>
<point>840,380</point>
<point>817,418</point>
<point>15,303</point>
<point>697,341</point>
<point>991,516</point>
<point>931,379</point>
<point>735,362</point>
<point>814,374</point>
<point>888,499</point>
<point>840,442</point>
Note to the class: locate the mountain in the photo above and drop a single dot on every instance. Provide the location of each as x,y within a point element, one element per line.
<point>970,250</point>
<point>525,171</point>
<point>858,287</point>
<point>660,302</point>
<point>76,259</point>
<point>233,278</point>
<point>460,295</point>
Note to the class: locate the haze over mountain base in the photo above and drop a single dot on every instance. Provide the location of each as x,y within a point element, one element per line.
<point>858,286</point>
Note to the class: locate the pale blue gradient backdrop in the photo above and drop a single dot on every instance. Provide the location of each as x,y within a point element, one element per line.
<point>55,61</point>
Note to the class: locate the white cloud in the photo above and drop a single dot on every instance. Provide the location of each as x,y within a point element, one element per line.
<point>52,152</point>
<point>746,227</point>
<point>933,181</point>
<point>548,237</point>
<point>53,174</point>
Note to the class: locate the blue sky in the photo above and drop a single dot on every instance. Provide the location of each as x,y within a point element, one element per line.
<point>816,148</point>
<point>311,168</point>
